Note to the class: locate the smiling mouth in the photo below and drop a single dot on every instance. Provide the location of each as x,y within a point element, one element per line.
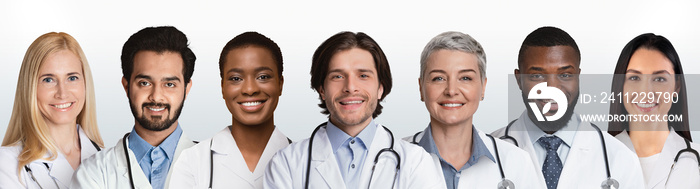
<point>63,106</point>
<point>156,109</point>
<point>646,105</point>
<point>253,103</point>
<point>451,105</point>
<point>352,102</point>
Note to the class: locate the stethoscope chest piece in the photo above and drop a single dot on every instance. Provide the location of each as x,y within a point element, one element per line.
<point>610,184</point>
<point>506,184</point>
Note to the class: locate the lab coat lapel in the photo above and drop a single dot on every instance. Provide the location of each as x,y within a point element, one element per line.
<point>582,155</point>
<point>182,144</point>
<point>61,169</point>
<point>519,132</point>
<point>385,168</point>
<point>324,160</point>
<point>140,180</point>
<point>230,157</point>
<point>276,143</point>
<point>672,145</point>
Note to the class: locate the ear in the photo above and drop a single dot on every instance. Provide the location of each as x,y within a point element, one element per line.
<point>483,88</point>
<point>517,78</point>
<point>222,89</point>
<point>579,71</point>
<point>420,89</point>
<point>125,84</point>
<point>380,92</point>
<point>281,84</point>
<point>188,87</point>
<point>322,93</point>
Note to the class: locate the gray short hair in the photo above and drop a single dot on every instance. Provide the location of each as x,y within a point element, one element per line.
<point>458,41</point>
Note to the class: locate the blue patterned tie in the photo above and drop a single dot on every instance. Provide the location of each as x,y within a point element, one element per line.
<point>551,169</point>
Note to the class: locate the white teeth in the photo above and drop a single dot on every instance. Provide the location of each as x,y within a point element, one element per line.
<point>251,103</point>
<point>61,106</point>
<point>645,105</point>
<point>156,109</point>
<point>352,102</point>
<point>452,105</point>
<point>549,100</point>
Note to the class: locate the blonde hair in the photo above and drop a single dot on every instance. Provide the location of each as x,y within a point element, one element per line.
<point>27,125</point>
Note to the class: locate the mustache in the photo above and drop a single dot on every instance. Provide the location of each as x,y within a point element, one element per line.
<point>158,104</point>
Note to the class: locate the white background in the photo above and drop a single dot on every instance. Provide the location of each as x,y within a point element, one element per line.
<point>601,29</point>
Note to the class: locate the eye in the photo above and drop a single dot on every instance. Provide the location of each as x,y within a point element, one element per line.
<point>235,78</point>
<point>465,78</point>
<point>144,83</point>
<point>170,85</point>
<point>73,78</point>
<point>633,78</point>
<point>364,76</point>
<point>47,80</point>
<point>536,76</point>
<point>337,77</point>
<point>438,78</point>
<point>660,79</point>
<point>566,75</point>
<point>264,77</point>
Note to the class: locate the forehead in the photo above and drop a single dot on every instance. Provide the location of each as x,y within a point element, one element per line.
<point>352,59</point>
<point>250,56</point>
<point>649,61</point>
<point>61,61</point>
<point>153,63</point>
<point>451,59</point>
<point>549,57</point>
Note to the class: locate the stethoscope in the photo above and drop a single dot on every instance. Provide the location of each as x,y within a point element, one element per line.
<point>31,174</point>
<point>376,158</point>
<point>607,183</point>
<point>687,149</point>
<point>504,183</point>
<point>211,161</point>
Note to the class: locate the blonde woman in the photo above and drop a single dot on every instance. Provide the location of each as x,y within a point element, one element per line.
<point>53,125</point>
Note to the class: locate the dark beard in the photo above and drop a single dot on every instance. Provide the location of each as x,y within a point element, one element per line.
<point>551,126</point>
<point>160,125</point>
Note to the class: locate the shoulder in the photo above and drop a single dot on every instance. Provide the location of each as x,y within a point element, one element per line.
<point>296,150</point>
<point>8,157</point>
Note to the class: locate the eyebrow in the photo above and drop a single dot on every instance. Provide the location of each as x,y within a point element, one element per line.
<point>341,70</point>
<point>173,78</point>
<point>656,72</point>
<point>558,69</point>
<point>258,69</point>
<point>444,72</point>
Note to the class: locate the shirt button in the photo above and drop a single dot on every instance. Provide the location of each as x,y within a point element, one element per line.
<point>352,142</point>
<point>352,166</point>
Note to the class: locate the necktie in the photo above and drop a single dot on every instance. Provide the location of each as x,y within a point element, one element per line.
<point>551,169</point>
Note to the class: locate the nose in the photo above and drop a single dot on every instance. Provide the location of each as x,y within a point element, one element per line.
<point>451,88</point>
<point>553,80</point>
<point>350,85</point>
<point>250,87</point>
<point>61,91</point>
<point>156,94</point>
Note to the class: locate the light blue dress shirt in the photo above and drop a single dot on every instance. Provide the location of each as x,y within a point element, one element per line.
<point>155,160</point>
<point>566,134</point>
<point>351,152</point>
<point>451,174</point>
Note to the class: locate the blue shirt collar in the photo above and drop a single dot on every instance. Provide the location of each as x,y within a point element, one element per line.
<point>140,147</point>
<point>478,147</point>
<point>566,133</point>
<point>337,137</point>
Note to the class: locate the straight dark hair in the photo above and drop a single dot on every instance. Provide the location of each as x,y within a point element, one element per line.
<point>159,39</point>
<point>659,43</point>
<point>346,41</point>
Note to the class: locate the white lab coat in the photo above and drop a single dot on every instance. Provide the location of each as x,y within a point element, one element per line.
<point>192,170</point>
<point>685,173</point>
<point>516,164</point>
<point>59,169</point>
<point>287,169</point>
<point>108,169</point>
<point>585,163</point>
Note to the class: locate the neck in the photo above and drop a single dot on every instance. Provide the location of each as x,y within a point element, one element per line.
<point>66,137</point>
<point>154,138</point>
<point>252,137</point>
<point>648,138</point>
<point>352,130</point>
<point>454,142</point>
